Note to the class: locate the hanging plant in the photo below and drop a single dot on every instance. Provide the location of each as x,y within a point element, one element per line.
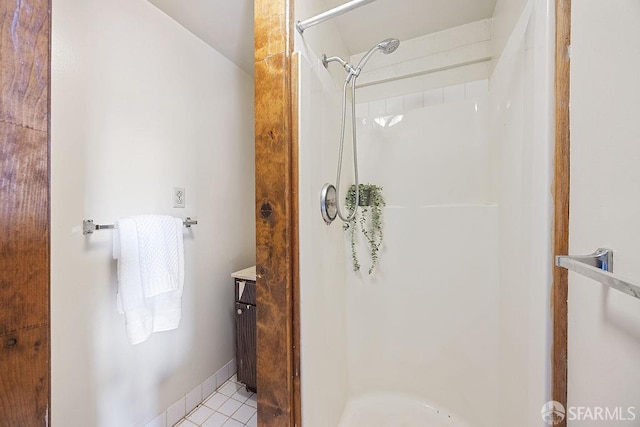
<point>368,220</point>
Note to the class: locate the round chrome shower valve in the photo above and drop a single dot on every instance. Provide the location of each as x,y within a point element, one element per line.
<point>328,206</point>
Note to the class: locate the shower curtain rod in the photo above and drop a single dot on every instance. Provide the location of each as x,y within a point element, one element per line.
<point>332,13</point>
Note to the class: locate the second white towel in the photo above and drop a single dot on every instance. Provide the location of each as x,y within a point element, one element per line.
<point>150,254</point>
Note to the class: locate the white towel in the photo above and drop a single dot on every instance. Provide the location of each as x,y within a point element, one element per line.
<point>150,254</point>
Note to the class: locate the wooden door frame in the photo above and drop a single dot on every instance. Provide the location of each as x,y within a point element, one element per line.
<point>25,93</point>
<point>560,290</point>
<point>276,177</point>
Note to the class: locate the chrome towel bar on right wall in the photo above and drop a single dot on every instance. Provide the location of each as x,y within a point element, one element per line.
<point>598,266</point>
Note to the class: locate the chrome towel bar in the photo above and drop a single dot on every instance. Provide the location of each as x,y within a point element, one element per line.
<point>88,226</point>
<point>598,266</point>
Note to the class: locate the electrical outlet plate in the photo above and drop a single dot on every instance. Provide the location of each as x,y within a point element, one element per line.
<point>179,200</point>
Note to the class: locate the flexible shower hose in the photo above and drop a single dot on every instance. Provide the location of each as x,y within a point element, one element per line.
<point>355,148</point>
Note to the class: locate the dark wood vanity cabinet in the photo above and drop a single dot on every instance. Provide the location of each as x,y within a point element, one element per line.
<point>246,359</point>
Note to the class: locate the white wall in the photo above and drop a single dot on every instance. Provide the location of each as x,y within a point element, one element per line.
<point>604,324</point>
<point>139,105</point>
<point>521,131</point>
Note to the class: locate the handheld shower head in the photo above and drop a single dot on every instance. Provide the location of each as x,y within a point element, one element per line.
<point>387,46</point>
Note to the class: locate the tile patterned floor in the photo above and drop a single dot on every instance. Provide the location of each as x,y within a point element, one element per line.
<point>231,405</point>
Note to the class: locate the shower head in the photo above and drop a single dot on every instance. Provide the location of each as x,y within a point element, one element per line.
<point>387,46</point>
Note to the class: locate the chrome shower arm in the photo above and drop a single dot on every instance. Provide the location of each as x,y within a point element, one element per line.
<point>325,61</point>
<point>348,68</point>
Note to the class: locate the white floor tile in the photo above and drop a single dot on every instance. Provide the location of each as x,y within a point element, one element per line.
<point>216,400</point>
<point>244,413</point>
<point>242,395</point>
<point>200,415</point>
<point>215,420</point>
<point>229,407</point>
<point>229,388</point>
<point>233,423</point>
<point>186,423</point>
<point>253,422</point>
<point>252,401</point>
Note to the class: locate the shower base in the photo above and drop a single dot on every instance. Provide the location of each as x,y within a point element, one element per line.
<point>395,410</point>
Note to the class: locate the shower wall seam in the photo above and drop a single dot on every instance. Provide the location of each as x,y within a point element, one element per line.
<point>426,72</point>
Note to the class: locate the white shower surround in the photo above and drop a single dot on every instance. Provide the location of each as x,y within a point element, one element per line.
<point>426,323</point>
<point>456,317</point>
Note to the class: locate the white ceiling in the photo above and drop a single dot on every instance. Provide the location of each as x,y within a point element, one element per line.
<point>227,25</point>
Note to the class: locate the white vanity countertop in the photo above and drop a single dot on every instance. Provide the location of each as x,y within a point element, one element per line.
<point>246,274</point>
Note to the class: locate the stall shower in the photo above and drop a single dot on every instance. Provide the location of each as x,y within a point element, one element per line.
<point>452,327</point>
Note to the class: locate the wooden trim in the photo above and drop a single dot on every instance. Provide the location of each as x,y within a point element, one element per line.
<point>561,201</point>
<point>297,399</point>
<point>25,374</point>
<point>270,28</point>
<point>276,216</point>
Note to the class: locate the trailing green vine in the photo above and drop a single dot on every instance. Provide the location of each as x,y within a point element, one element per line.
<point>368,219</point>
